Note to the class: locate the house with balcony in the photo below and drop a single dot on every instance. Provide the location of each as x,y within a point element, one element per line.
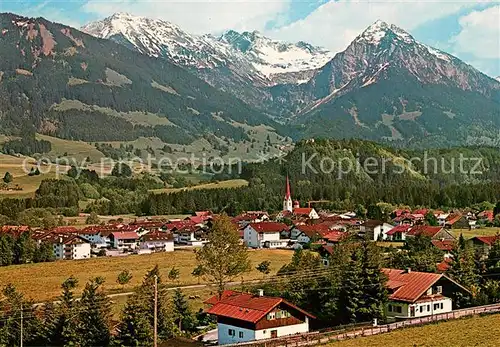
<point>419,294</point>
<point>157,241</point>
<point>244,317</point>
<point>265,235</point>
<point>124,240</point>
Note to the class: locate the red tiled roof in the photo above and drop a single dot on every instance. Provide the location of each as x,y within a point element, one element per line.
<point>268,227</point>
<point>203,213</point>
<point>328,249</point>
<point>422,211</point>
<point>302,210</point>
<point>157,236</point>
<point>444,265</point>
<point>452,219</point>
<point>125,235</point>
<point>488,214</point>
<point>425,230</point>
<point>444,245</point>
<point>409,286</point>
<point>248,307</point>
<point>335,236</point>
<point>399,229</point>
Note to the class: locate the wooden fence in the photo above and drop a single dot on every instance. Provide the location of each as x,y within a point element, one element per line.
<point>316,337</point>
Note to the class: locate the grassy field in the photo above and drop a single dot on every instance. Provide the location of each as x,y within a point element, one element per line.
<point>476,232</point>
<point>42,281</point>
<point>475,331</point>
<point>219,185</point>
<point>77,150</point>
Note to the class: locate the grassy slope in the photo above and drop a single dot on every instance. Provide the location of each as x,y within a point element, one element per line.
<point>475,331</point>
<point>78,150</point>
<point>50,275</point>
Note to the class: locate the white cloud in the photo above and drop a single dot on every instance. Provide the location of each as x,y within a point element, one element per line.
<point>198,16</point>
<point>480,34</point>
<point>336,23</point>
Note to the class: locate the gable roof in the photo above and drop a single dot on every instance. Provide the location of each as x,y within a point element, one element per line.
<point>409,286</point>
<point>125,235</point>
<point>399,229</point>
<point>444,245</point>
<point>335,236</point>
<point>371,223</point>
<point>425,230</point>
<point>268,227</point>
<point>315,230</point>
<point>247,307</point>
<point>302,211</point>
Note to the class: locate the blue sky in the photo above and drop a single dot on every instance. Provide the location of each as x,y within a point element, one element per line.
<point>469,30</point>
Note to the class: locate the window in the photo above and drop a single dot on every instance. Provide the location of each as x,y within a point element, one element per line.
<point>428,307</point>
<point>436,306</point>
<point>231,332</point>
<point>422,308</point>
<point>278,314</point>
<point>271,316</point>
<point>240,334</point>
<point>389,308</point>
<point>441,306</point>
<point>399,309</point>
<point>439,289</point>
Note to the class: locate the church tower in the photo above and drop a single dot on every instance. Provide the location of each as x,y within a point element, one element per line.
<point>287,201</point>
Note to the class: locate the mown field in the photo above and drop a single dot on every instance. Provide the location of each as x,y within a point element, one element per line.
<point>475,331</point>
<point>218,185</point>
<point>476,232</point>
<point>42,282</point>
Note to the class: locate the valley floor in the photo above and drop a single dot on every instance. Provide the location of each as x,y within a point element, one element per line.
<point>481,331</point>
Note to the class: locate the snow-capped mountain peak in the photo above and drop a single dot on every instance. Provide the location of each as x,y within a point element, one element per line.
<point>261,57</point>
<point>379,30</point>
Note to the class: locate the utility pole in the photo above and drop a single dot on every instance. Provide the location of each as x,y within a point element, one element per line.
<point>21,342</point>
<point>155,325</point>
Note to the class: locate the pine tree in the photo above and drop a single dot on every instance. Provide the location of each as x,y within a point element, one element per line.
<point>374,290</point>
<point>8,178</point>
<point>95,315</point>
<point>493,261</point>
<point>351,292</point>
<point>184,317</point>
<point>67,327</point>
<point>135,329</point>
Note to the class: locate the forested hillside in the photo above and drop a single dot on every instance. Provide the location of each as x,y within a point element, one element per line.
<point>43,63</point>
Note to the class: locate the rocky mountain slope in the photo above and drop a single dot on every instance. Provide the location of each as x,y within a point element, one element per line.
<point>388,86</point>
<point>243,64</point>
<point>59,81</point>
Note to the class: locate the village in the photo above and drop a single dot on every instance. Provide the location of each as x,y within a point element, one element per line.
<point>245,317</point>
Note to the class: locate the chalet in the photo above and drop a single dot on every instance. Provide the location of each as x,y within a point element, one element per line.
<point>334,237</point>
<point>483,244</point>
<point>189,234</point>
<point>435,233</point>
<point>306,212</point>
<point>325,252</point>
<point>157,241</point>
<point>309,233</point>
<point>456,221</point>
<point>124,239</point>
<point>419,294</point>
<point>374,230</point>
<point>486,216</point>
<point>265,235</point>
<point>441,218</point>
<point>244,317</point>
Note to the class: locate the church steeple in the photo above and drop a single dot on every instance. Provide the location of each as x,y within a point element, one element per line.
<point>287,201</point>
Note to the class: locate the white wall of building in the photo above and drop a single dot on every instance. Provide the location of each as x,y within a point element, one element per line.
<point>422,309</point>
<point>283,331</point>
<point>163,245</point>
<point>81,251</point>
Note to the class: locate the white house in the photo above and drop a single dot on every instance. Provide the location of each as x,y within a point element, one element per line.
<point>265,235</point>
<point>189,235</point>
<point>69,247</point>
<point>419,294</point>
<point>244,317</point>
<point>375,230</point>
<point>157,241</point>
<point>307,212</point>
